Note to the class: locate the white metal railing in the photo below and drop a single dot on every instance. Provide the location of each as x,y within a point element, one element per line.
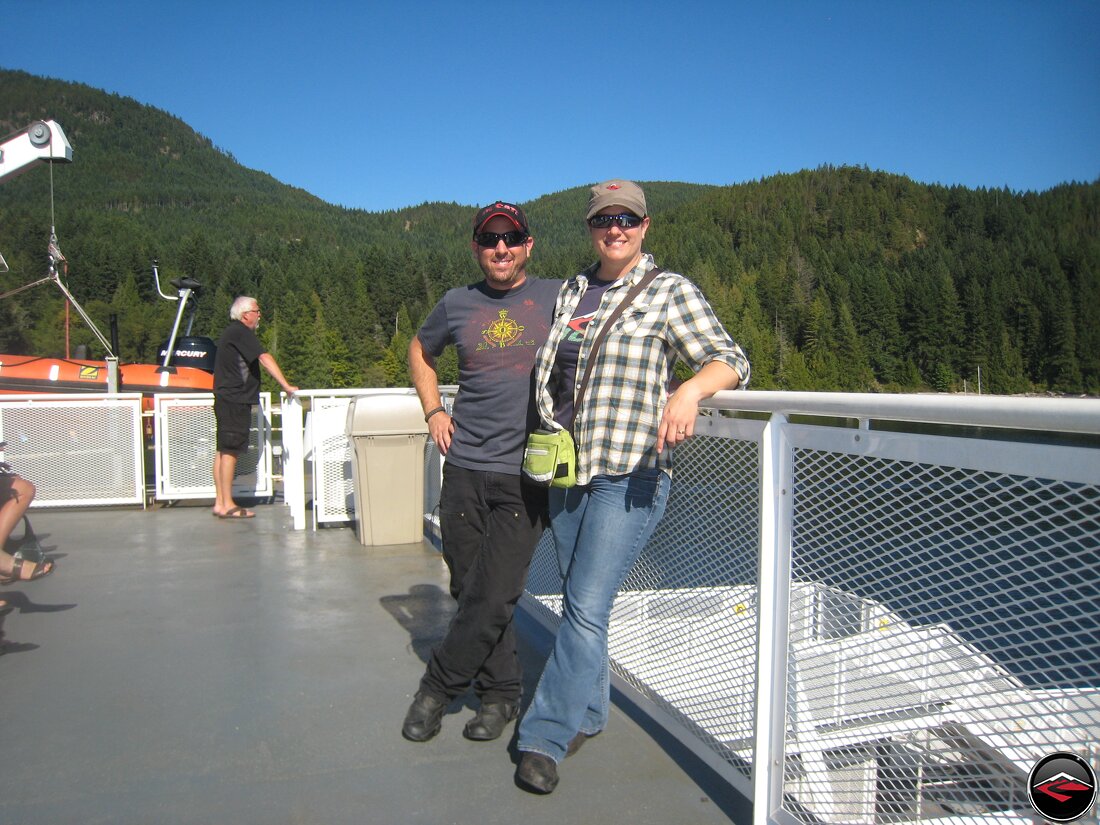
<point>89,450</point>
<point>859,617</point>
<point>86,450</point>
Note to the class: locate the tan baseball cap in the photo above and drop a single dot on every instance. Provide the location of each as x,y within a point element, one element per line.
<point>623,193</point>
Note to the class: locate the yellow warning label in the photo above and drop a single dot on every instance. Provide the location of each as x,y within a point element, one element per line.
<point>89,373</point>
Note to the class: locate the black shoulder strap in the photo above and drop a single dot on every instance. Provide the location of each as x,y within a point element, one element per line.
<point>605,327</point>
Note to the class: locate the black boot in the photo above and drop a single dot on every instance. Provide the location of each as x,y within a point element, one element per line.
<point>490,720</point>
<point>424,719</point>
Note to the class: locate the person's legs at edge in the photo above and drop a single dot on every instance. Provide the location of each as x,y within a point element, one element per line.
<point>612,520</point>
<point>17,494</point>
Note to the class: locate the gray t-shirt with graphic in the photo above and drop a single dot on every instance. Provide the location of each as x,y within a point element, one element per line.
<point>496,334</point>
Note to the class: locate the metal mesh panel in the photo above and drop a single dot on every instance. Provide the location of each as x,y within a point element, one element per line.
<point>333,476</point>
<point>687,610</point>
<point>186,445</point>
<point>945,635</point>
<point>684,624</point>
<point>77,452</point>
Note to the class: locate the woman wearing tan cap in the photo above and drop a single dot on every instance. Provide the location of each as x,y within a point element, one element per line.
<point>624,424</point>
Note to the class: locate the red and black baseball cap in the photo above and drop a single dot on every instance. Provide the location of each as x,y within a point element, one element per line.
<point>506,210</point>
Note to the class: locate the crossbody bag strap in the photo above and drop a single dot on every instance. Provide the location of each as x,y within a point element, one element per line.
<point>643,282</point>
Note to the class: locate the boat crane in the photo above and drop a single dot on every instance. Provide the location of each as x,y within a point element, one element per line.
<point>45,141</point>
<point>188,363</point>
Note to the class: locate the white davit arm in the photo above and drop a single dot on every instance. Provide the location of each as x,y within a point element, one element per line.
<point>43,140</point>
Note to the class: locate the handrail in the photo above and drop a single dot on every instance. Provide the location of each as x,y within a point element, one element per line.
<point>1069,415</point>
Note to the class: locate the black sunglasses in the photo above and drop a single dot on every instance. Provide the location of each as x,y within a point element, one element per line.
<point>491,239</point>
<point>623,221</point>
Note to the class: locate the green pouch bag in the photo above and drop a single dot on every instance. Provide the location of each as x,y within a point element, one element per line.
<point>550,458</point>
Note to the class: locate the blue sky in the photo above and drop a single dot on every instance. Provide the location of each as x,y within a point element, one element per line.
<point>381,105</point>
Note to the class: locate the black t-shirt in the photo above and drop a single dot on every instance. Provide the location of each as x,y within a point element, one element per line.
<point>237,365</point>
<point>563,378</point>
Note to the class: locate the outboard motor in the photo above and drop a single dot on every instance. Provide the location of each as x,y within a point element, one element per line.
<point>191,351</point>
<point>185,350</point>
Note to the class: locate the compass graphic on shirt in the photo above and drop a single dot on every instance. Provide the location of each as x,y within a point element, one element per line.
<point>503,331</point>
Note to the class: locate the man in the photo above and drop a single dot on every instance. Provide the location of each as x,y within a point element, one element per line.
<point>236,389</point>
<point>490,521</point>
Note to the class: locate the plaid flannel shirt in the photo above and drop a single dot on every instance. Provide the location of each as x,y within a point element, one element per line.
<point>617,420</point>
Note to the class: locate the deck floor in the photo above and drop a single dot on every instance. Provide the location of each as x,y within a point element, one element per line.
<point>178,668</point>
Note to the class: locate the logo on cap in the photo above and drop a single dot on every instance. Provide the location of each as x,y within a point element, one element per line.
<point>1061,787</point>
<point>613,186</point>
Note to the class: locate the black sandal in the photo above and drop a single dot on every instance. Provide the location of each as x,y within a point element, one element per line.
<point>42,569</point>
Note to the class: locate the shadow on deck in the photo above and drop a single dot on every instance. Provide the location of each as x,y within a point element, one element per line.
<point>178,668</point>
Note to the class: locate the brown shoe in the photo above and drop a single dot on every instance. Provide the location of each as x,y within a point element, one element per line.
<point>576,742</point>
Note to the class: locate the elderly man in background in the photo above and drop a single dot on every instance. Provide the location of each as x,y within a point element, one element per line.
<point>236,388</point>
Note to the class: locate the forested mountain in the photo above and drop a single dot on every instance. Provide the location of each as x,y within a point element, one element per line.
<point>832,279</point>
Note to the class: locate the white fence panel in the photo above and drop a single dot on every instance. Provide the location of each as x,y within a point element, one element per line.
<point>331,452</point>
<point>184,435</point>
<point>78,450</point>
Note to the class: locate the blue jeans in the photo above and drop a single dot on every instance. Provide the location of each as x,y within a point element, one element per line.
<point>599,531</point>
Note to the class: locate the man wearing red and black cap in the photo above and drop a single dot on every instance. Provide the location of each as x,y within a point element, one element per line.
<point>490,522</point>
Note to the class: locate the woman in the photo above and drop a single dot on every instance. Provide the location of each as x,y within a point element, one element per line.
<point>624,427</point>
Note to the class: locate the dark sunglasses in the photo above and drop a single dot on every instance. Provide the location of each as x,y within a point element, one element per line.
<point>623,221</point>
<point>491,239</point>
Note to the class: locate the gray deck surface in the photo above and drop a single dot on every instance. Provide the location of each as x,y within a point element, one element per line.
<point>177,668</point>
